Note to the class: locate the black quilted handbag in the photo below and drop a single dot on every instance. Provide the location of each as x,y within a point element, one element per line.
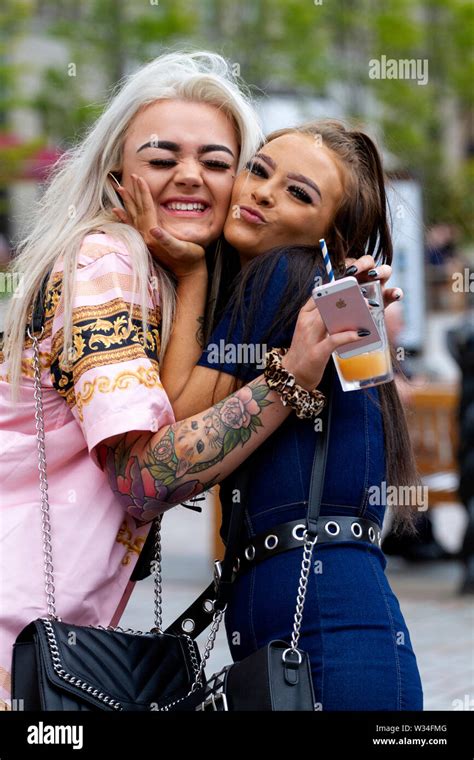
<point>60,666</point>
<point>57,666</point>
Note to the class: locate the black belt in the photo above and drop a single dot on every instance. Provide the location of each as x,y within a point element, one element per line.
<point>280,538</point>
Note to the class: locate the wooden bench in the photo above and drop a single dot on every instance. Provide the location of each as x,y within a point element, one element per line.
<point>432,421</point>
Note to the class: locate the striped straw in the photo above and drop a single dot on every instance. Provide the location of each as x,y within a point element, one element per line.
<point>327,260</point>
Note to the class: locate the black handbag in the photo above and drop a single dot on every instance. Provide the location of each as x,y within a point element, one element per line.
<point>277,677</point>
<point>60,666</point>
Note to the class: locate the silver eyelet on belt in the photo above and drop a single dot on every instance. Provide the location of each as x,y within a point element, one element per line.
<point>371,535</point>
<point>271,541</point>
<point>236,567</point>
<point>188,625</point>
<point>329,524</point>
<point>295,530</point>
<point>250,552</point>
<point>356,530</point>
<point>379,538</point>
<point>208,605</point>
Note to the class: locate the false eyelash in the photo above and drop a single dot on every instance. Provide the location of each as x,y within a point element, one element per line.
<point>216,164</point>
<point>303,195</point>
<point>252,166</point>
<point>162,162</point>
<point>168,162</point>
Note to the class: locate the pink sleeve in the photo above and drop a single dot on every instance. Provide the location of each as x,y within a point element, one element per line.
<point>112,383</point>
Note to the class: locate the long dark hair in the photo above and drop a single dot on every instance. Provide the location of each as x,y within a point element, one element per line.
<point>361,226</point>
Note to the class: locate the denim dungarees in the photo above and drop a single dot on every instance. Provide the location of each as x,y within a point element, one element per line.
<point>353,629</point>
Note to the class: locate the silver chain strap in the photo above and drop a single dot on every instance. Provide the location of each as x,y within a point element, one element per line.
<point>302,589</point>
<point>157,578</point>
<point>211,640</point>
<point>45,511</point>
<point>43,480</point>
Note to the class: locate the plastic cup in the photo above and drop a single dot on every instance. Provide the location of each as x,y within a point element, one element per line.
<point>372,367</point>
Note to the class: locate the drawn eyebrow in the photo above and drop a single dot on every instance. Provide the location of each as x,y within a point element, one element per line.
<point>267,159</point>
<point>168,145</point>
<point>211,148</point>
<point>165,144</point>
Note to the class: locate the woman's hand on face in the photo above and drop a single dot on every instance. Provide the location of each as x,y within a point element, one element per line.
<point>180,256</point>
<point>366,270</point>
<point>312,346</point>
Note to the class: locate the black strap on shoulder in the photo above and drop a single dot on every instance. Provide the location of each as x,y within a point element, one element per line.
<point>38,314</point>
<point>236,523</point>
<point>39,308</point>
<point>318,470</point>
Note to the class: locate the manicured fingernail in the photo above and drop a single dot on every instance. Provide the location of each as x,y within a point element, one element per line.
<point>372,273</point>
<point>156,232</point>
<point>373,303</point>
<point>363,333</point>
<point>363,291</point>
<point>398,294</point>
<point>351,270</point>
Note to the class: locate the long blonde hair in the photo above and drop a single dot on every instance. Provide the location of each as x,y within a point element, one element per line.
<point>80,194</point>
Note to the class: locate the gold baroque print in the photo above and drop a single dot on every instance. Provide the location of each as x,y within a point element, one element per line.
<point>63,380</point>
<point>109,324</point>
<point>125,537</point>
<point>27,366</point>
<point>100,342</point>
<point>146,376</point>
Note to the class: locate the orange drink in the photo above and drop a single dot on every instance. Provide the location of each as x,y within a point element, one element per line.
<point>364,366</point>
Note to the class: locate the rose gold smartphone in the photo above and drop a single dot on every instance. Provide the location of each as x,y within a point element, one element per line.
<point>343,307</point>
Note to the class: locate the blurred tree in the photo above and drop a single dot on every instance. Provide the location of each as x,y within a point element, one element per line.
<point>103,40</point>
<point>14,18</point>
<point>314,47</point>
<point>326,47</point>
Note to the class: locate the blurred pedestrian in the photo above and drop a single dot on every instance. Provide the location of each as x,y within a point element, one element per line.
<point>461,346</point>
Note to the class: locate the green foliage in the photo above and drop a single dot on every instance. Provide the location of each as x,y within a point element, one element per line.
<point>300,46</point>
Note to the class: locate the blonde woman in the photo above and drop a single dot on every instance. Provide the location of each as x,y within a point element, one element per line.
<point>116,458</point>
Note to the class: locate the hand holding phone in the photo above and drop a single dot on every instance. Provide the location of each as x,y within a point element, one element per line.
<point>343,307</point>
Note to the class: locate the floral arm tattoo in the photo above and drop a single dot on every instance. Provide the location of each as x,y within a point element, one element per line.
<point>149,480</point>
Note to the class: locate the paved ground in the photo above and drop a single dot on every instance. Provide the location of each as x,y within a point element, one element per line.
<point>441,623</point>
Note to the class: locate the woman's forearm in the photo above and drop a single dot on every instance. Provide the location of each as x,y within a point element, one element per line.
<point>185,345</point>
<point>152,472</point>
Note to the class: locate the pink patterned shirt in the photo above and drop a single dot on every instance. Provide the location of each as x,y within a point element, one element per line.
<point>113,387</point>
